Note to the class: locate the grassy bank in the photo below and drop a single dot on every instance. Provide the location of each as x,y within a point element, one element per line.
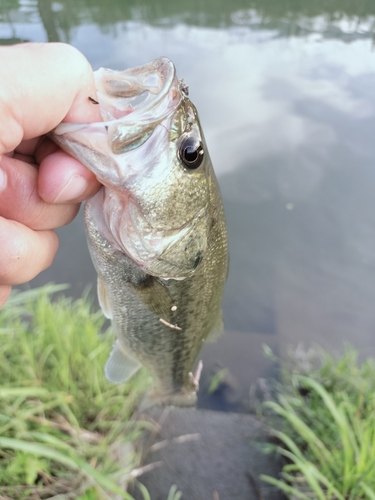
<point>326,416</point>
<point>64,430</point>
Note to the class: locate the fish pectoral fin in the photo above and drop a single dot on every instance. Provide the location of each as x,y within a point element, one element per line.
<point>104,299</point>
<point>120,367</point>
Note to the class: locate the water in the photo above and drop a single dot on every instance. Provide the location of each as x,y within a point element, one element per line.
<point>286,96</point>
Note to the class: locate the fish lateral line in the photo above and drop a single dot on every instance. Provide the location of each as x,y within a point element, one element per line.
<point>166,323</point>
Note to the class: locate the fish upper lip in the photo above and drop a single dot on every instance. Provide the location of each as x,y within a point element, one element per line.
<point>145,112</point>
<point>163,66</point>
<point>125,127</point>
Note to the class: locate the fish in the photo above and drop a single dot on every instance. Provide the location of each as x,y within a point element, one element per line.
<point>156,229</point>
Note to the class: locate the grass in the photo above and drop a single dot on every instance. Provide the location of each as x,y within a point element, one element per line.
<point>326,408</point>
<point>217,379</point>
<point>65,432</point>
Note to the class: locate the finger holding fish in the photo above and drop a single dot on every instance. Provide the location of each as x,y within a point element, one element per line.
<point>62,179</point>
<point>21,202</point>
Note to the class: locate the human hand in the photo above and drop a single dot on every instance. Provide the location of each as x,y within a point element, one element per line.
<point>41,186</point>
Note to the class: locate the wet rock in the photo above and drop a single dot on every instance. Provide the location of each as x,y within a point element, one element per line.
<point>208,455</point>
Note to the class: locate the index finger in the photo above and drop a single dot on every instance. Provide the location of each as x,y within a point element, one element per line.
<point>58,86</point>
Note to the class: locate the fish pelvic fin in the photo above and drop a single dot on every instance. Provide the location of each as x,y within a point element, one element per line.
<point>120,367</point>
<point>104,299</point>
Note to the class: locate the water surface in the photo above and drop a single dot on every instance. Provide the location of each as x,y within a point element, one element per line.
<point>286,96</point>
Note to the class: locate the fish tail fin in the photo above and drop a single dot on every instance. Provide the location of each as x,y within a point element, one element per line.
<point>120,367</point>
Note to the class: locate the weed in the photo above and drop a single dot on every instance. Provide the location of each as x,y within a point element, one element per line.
<point>63,427</point>
<point>327,410</point>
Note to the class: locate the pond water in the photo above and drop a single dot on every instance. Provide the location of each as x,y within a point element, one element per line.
<point>286,96</point>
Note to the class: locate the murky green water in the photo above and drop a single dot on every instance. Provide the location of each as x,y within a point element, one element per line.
<point>286,95</point>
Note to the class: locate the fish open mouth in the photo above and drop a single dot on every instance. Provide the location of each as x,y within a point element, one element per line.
<point>138,90</point>
<point>132,103</point>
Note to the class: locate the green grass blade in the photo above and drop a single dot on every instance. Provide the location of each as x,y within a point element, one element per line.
<point>144,491</point>
<point>55,403</point>
<point>369,491</point>
<point>174,494</point>
<point>26,392</point>
<point>346,434</point>
<point>303,430</point>
<point>327,416</point>
<point>37,449</point>
<point>73,461</point>
<point>289,490</point>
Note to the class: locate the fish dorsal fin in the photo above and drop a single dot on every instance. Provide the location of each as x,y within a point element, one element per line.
<point>104,299</point>
<point>217,330</point>
<point>120,366</point>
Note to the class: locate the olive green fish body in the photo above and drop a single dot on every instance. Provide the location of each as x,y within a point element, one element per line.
<point>156,230</point>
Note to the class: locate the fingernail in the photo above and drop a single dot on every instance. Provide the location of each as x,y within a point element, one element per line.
<point>75,188</point>
<point>3,180</point>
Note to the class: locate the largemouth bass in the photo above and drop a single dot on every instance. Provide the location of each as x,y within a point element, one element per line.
<point>156,229</point>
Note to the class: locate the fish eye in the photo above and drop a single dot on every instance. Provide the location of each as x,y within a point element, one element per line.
<point>191,153</point>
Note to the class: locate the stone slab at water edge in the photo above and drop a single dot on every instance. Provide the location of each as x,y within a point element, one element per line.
<point>208,455</point>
